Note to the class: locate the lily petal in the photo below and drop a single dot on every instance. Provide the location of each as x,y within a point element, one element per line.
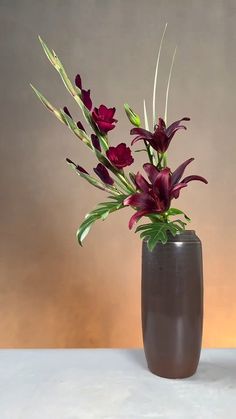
<point>175,125</point>
<point>142,201</point>
<point>141,182</point>
<point>194,177</point>
<point>151,171</point>
<point>178,173</point>
<point>141,134</point>
<point>136,217</point>
<point>162,183</point>
<point>174,193</point>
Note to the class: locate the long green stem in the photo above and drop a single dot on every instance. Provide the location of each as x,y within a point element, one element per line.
<point>150,155</point>
<point>149,149</point>
<point>168,86</point>
<point>125,182</point>
<point>155,78</point>
<point>164,159</point>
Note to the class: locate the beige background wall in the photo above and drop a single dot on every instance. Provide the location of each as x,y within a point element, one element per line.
<point>52,292</point>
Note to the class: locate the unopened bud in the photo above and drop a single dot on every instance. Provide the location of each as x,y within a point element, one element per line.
<point>133,117</point>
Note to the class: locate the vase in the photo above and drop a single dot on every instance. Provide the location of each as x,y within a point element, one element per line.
<point>172,305</point>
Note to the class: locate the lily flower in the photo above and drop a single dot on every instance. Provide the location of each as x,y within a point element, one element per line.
<point>120,156</point>
<point>155,197</point>
<point>102,172</point>
<point>161,137</point>
<point>103,117</point>
<point>84,93</point>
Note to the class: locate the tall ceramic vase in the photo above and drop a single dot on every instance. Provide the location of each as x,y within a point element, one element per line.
<point>172,305</point>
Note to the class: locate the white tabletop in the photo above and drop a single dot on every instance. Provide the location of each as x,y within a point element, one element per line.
<point>112,384</point>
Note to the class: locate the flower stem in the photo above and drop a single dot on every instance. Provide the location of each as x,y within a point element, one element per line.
<point>125,181</point>
<point>150,155</point>
<point>164,159</point>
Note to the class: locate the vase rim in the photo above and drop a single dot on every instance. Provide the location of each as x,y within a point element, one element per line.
<point>186,236</point>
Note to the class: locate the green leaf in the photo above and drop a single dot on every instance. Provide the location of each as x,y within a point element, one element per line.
<point>138,151</point>
<point>157,232</point>
<point>176,211</point>
<point>99,213</point>
<point>180,222</point>
<point>47,51</point>
<point>119,198</point>
<point>48,105</point>
<point>155,217</point>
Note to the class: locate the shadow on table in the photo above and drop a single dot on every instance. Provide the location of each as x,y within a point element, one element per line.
<point>138,357</point>
<point>207,371</point>
<point>213,372</point>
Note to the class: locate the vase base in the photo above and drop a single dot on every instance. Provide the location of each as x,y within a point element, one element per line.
<point>172,375</point>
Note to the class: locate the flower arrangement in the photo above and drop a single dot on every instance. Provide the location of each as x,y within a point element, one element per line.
<point>150,193</point>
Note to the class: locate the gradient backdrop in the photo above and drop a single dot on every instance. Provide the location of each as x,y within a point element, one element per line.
<point>52,292</point>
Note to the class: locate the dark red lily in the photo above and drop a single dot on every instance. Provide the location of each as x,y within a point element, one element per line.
<point>155,197</point>
<point>103,117</point>
<point>120,156</point>
<point>85,94</point>
<point>161,137</point>
<point>102,172</point>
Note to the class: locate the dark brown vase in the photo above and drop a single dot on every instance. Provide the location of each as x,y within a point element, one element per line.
<point>172,305</point>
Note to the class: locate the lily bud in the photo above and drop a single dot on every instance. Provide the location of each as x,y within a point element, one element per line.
<point>133,117</point>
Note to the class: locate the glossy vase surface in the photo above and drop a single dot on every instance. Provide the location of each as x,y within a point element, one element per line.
<point>172,305</point>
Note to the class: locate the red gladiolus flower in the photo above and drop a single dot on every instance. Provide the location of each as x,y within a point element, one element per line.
<point>102,172</point>
<point>95,142</point>
<point>84,93</point>
<point>155,197</point>
<point>77,167</point>
<point>120,156</point>
<point>161,137</point>
<point>66,110</point>
<point>80,126</point>
<point>103,117</point>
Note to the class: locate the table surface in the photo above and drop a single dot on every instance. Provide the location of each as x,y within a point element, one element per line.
<point>112,383</point>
